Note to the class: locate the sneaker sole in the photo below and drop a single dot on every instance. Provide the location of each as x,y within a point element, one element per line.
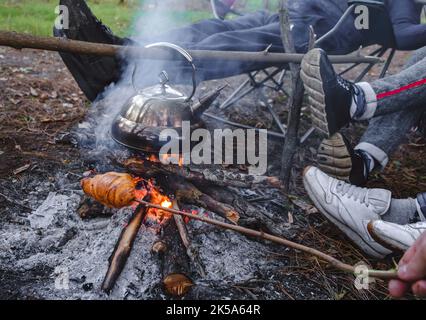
<point>314,87</point>
<point>351,234</point>
<point>334,157</point>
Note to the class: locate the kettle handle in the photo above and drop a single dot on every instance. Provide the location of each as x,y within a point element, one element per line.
<point>184,53</point>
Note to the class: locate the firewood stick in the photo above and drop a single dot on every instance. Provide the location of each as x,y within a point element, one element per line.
<point>122,250</point>
<point>385,275</point>
<point>22,40</point>
<point>191,251</point>
<point>174,263</point>
<point>188,193</point>
<point>218,177</point>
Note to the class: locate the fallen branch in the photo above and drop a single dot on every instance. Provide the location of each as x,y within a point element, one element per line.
<point>385,275</point>
<point>21,40</point>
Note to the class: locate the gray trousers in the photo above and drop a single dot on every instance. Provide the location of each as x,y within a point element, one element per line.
<point>401,104</point>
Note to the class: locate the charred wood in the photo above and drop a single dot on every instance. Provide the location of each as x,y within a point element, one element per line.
<point>188,193</point>
<point>174,262</point>
<point>90,208</point>
<point>123,248</point>
<point>214,176</point>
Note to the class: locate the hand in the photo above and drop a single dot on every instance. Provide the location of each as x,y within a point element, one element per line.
<point>412,271</point>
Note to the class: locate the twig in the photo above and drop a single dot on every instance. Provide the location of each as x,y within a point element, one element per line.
<point>385,275</point>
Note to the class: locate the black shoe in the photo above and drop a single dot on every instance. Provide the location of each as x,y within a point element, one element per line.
<point>330,96</point>
<point>337,158</point>
<point>92,73</point>
<point>220,9</point>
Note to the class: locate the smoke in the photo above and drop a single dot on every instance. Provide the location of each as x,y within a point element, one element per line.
<point>152,23</point>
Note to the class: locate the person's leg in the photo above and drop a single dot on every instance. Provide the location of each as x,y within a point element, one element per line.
<point>385,133</point>
<point>191,35</point>
<point>336,102</point>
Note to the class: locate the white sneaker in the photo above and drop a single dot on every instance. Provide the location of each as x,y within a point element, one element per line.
<point>349,207</point>
<point>395,236</point>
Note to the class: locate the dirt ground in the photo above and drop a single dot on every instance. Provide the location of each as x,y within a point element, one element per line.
<point>39,105</point>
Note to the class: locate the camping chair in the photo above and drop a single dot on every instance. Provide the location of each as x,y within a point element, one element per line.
<point>275,79</point>
<point>383,21</point>
<point>270,79</point>
<point>221,8</point>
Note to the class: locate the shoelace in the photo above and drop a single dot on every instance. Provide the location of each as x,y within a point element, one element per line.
<point>348,85</point>
<point>351,191</point>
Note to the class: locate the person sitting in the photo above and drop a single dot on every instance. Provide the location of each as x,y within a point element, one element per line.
<point>251,32</point>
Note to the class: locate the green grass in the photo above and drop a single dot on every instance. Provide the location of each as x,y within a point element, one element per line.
<point>37,16</point>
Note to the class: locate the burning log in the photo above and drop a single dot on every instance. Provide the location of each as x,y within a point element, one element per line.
<point>188,193</point>
<point>218,177</point>
<point>174,262</point>
<point>20,41</point>
<point>191,251</point>
<point>122,250</point>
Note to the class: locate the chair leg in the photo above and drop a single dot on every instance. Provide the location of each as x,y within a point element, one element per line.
<point>277,120</point>
<point>370,66</point>
<point>387,64</point>
<point>234,94</point>
<point>374,53</point>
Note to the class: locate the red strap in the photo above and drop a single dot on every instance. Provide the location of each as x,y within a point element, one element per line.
<point>402,89</point>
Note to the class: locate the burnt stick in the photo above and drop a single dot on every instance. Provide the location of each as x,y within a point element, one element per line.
<point>122,250</point>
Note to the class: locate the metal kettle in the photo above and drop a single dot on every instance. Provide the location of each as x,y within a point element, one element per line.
<point>154,109</point>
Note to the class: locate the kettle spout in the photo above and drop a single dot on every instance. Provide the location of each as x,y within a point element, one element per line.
<point>199,107</point>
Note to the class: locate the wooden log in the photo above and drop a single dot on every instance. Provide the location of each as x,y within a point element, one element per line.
<point>217,177</point>
<point>188,193</point>
<point>191,250</point>
<point>21,40</point>
<point>122,250</point>
<point>174,263</point>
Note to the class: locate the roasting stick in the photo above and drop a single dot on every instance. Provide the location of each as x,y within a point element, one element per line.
<point>385,275</point>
